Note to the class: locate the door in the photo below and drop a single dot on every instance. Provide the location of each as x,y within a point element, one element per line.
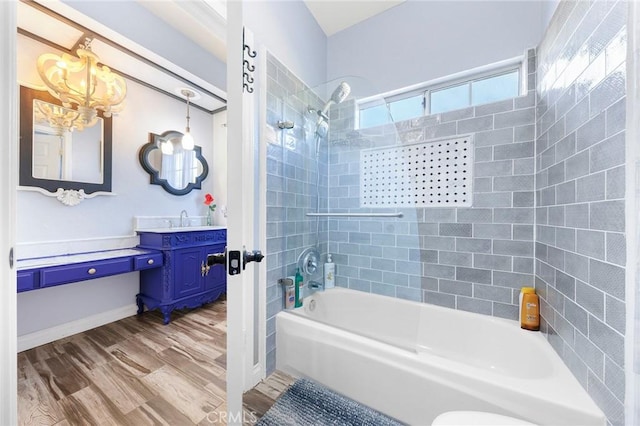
<point>243,217</point>
<point>47,157</point>
<point>8,177</point>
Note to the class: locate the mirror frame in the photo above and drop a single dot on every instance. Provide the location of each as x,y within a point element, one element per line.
<point>27,96</point>
<point>154,175</point>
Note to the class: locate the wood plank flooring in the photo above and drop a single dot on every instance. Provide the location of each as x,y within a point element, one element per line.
<point>137,371</point>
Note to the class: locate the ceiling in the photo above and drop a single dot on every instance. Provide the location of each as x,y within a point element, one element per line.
<point>196,20</point>
<point>203,21</point>
<point>334,15</point>
<point>63,30</point>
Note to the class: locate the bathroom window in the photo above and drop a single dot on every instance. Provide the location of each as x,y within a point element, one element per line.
<point>474,88</point>
<point>392,109</point>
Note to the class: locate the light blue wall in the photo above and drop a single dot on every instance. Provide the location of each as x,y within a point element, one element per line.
<point>292,35</point>
<point>421,40</point>
<point>469,258</point>
<point>580,253</point>
<point>291,186</point>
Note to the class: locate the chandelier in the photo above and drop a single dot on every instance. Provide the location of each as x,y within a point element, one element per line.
<point>82,83</point>
<point>59,118</point>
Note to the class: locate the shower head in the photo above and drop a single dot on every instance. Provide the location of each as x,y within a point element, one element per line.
<point>341,93</point>
<point>337,97</point>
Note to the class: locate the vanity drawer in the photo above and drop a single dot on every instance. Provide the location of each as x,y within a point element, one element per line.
<point>84,271</point>
<point>26,280</point>
<point>147,261</point>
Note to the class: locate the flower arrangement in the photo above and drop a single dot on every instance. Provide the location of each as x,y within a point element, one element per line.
<point>209,202</point>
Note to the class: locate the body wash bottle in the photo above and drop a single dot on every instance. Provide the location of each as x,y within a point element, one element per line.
<point>298,288</point>
<point>329,273</point>
<point>529,309</point>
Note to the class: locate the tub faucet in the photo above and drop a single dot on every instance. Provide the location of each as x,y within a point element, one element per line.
<point>316,286</point>
<point>183,215</point>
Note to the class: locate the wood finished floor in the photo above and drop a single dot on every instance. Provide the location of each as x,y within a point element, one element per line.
<point>137,371</point>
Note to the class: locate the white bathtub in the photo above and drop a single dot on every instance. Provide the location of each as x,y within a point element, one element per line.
<point>414,361</point>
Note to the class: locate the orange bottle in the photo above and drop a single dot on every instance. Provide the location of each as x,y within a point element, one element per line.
<point>529,309</point>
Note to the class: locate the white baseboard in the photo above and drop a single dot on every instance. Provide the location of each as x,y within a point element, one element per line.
<point>48,335</point>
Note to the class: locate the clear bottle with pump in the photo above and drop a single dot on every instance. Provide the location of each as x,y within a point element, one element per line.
<point>298,288</point>
<point>329,273</point>
<point>529,309</point>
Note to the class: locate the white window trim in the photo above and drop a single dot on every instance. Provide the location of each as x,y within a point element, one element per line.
<point>497,68</point>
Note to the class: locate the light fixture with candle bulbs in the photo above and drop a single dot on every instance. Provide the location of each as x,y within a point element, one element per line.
<point>187,140</point>
<point>81,84</point>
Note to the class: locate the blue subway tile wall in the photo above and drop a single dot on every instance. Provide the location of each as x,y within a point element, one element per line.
<point>291,185</point>
<point>470,258</point>
<point>580,155</point>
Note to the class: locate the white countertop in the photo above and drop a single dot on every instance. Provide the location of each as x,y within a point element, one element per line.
<point>181,229</point>
<point>78,258</point>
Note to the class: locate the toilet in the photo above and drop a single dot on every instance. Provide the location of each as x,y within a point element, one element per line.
<point>476,418</point>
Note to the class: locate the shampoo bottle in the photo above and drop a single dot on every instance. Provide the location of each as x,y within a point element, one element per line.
<point>298,288</point>
<point>329,273</point>
<point>529,309</point>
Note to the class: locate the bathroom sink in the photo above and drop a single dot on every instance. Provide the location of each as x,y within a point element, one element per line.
<point>181,229</point>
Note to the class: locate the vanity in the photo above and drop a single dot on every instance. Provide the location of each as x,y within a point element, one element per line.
<point>184,280</point>
<point>52,271</point>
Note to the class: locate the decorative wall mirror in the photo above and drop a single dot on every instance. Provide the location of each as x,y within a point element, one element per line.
<point>176,169</point>
<point>66,160</point>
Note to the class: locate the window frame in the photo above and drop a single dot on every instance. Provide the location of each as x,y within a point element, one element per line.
<point>497,69</point>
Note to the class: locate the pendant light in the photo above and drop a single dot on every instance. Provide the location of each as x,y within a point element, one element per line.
<point>187,140</point>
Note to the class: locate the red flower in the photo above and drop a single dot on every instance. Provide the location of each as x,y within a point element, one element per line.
<point>208,199</point>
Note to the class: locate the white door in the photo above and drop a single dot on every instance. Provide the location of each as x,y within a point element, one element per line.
<point>8,183</point>
<point>244,218</point>
<point>47,157</point>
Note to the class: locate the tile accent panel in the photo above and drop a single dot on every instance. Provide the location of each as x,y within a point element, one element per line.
<point>580,218</point>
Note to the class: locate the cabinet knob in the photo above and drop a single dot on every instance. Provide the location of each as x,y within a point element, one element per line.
<point>91,271</point>
<point>150,261</point>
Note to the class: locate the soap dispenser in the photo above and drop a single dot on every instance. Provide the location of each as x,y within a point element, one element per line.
<point>329,273</point>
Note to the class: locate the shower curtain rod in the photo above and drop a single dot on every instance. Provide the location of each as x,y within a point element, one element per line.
<point>355,214</point>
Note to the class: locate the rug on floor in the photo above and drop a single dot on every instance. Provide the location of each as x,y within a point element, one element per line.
<point>308,403</point>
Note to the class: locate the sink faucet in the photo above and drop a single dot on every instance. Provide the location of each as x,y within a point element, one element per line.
<point>183,215</point>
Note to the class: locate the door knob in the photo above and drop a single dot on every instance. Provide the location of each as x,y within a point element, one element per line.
<point>253,256</point>
<point>217,259</point>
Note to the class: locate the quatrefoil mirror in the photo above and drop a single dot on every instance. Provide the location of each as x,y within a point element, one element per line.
<point>177,169</point>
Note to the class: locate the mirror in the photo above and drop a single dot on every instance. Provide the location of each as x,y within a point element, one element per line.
<point>169,165</point>
<point>54,157</point>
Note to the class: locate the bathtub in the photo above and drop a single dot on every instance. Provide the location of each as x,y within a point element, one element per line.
<point>414,361</point>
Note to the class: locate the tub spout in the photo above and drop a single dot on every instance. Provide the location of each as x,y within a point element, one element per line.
<point>315,285</point>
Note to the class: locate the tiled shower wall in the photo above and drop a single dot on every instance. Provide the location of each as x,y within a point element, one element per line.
<point>472,258</point>
<point>291,184</point>
<point>568,182</point>
<point>580,186</point>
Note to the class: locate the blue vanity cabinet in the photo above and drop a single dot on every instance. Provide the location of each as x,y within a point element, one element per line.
<point>51,271</point>
<point>184,280</point>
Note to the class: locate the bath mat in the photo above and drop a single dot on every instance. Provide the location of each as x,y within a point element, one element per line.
<point>307,403</point>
